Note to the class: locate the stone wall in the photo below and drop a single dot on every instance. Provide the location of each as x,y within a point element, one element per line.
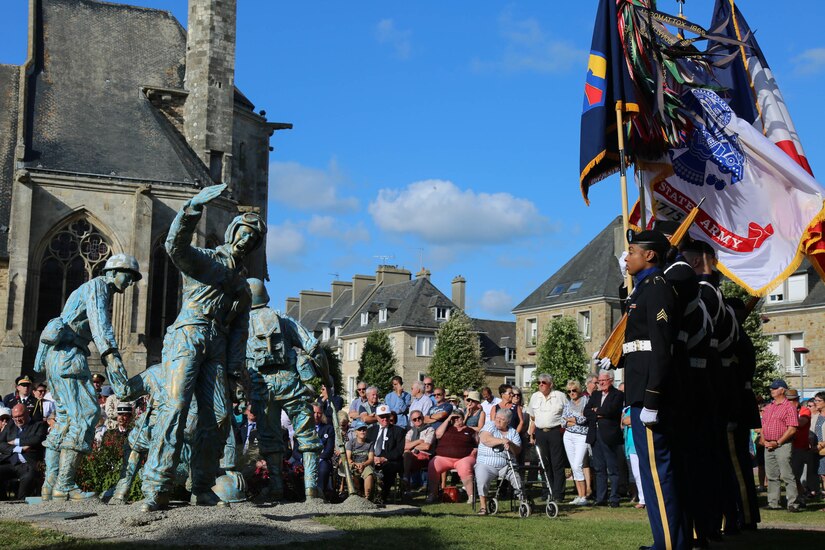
<point>810,322</point>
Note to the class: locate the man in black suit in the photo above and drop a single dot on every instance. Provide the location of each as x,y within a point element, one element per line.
<point>22,394</point>
<point>604,413</point>
<point>389,450</point>
<point>21,450</point>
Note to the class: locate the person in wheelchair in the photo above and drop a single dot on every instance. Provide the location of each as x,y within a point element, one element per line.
<point>495,439</point>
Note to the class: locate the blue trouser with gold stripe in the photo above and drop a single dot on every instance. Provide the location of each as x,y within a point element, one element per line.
<point>662,497</point>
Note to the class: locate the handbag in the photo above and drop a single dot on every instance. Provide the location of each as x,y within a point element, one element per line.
<point>822,438</point>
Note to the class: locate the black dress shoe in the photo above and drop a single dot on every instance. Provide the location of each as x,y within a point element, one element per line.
<point>645,548</point>
<point>614,504</point>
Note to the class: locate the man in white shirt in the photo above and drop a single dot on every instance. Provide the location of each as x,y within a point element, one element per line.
<point>545,431</point>
<point>488,401</point>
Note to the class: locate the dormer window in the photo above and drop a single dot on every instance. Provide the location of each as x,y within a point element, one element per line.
<point>365,318</point>
<point>325,335</point>
<point>442,313</point>
<point>382,315</point>
<point>337,331</point>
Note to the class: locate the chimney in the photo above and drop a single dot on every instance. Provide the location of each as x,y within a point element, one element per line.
<point>459,284</point>
<point>423,274</point>
<point>312,299</point>
<point>210,81</point>
<point>291,302</point>
<point>390,275</point>
<point>619,239</point>
<point>338,288</point>
<point>359,284</point>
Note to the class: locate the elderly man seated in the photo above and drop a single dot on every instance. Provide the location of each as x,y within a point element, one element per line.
<point>21,450</point>
<point>418,447</point>
<point>495,439</point>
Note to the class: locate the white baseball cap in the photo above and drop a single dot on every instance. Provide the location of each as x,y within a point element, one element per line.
<point>382,410</point>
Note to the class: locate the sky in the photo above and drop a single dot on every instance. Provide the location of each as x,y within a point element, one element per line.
<point>445,135</point>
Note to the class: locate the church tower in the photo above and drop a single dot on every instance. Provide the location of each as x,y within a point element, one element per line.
<point>210,81</point>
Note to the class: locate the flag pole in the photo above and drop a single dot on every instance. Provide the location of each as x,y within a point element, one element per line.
<point>623,183</point>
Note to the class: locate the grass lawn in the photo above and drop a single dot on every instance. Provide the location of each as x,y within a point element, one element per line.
<point>457,526</point>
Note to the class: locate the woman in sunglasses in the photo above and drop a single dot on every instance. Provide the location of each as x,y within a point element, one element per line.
<point>575,438</point>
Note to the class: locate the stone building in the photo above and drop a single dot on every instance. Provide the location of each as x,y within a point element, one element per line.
<point>586,288</point>
<point>117,117</point>
<point>410,310</point>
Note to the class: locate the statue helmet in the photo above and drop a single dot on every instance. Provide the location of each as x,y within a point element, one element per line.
<point>123,262</point>
<point>252,220</point>
<point>230,487</point>
<point>260,297</point>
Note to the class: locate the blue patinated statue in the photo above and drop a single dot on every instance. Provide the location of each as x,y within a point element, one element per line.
<point>62,354</point>
<point>278,381</point>
<point>203,349</point>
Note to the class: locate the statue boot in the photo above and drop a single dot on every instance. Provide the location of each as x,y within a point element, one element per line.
<point>52,469</point>
<point>274,490</point>
<point>153,503</point>
<point>311,474</point>
<point>127,476</point>
<point>207,498</point>
<point>66,487</point>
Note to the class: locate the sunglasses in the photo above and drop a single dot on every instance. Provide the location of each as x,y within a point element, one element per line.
<point>427,384</point>
<point>438,394</point>
<point>544,383</point>
<point>572,391</point>
<point>417,419</point>
<point>362,389</point>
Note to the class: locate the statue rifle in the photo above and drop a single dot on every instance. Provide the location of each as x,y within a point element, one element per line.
<point>612,347</point>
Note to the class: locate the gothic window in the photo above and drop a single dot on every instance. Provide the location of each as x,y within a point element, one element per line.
<point>165,289</point>
<point>75,254</point>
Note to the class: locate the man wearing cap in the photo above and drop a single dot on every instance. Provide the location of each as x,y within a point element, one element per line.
<point>388,449</point>
<point>22,394</point>
<point>652,327</point>
<point>5,417</point>
<point>62,355</point>
<point>203,348</point>
<point>21,450</point>
<point>779,424</point>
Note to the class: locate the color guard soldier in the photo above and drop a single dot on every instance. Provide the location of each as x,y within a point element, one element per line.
<point>652,328</point>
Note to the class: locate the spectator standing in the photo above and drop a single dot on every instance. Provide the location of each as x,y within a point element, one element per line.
<point>575,438</point>
<point>506,403</point>
<point>21,450</point>
<point>590,384</point>
<point>43,407</point>
<point>800,446</point>
<point>22,394</point>
<point>474,417</point>
<point>98,381</point>
<point>518,405</point>
<point>491,463</point>
<point>819,432</point>
<point>604,412</point>
<point>779,422</point>
<point>360,454</point>
<point>420,401</point>
<point>367,412</point>
<point>456,450</point>
<point>545,408</point>
<point>326,434</point>
<point>488,401</point>
<point>399,401</point>
<point>327,403</point>
<point>440,411</point>
<point>429,388</point>
<point>359,400</point>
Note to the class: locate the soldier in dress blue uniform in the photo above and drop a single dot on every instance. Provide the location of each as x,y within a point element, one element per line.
<point>650,372</point>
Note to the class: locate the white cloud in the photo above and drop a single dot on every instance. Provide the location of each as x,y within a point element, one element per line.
<point>439,212</point>
<point>399,40</point>
<point>330,228</point>
<point>285,245</point>
<point>307,188</point>
<point>810,62</point>
<point>496,302</point>
<point>529,49</point>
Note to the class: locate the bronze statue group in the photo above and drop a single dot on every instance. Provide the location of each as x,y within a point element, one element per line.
<point>224,339</point>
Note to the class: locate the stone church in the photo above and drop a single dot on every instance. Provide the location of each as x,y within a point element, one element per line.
<point>117,117</point>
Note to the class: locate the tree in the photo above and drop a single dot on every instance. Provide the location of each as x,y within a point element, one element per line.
<point>334,364</point>
<point>766,361</point>
<point>561,353</point>
<point>456,362</point>
<point>377,364</point>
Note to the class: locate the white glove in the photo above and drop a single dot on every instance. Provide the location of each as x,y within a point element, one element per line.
<point>649,417</point>
<point>603,363</point>
<point>623,264</point>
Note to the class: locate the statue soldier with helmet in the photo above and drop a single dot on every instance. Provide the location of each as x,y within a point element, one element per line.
<point>62,354</point>
<point>204,349</point>
<point>278,381</point>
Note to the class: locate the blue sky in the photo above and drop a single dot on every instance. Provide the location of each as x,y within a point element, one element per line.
<point>445,133</point>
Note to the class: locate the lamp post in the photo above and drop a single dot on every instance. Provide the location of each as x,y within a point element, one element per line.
<point>801,363</point>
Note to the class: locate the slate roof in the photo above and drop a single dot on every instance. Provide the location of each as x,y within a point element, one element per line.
<point>594,268</point>
<point>816,291</point>
<point>338,313</point>
<point>9,101</point>
<point>413,299</point>
<point>494,336</point>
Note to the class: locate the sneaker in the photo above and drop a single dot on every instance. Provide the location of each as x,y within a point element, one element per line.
<point>793,508</point>
<point>584,502</point>
<point>576,501</point>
